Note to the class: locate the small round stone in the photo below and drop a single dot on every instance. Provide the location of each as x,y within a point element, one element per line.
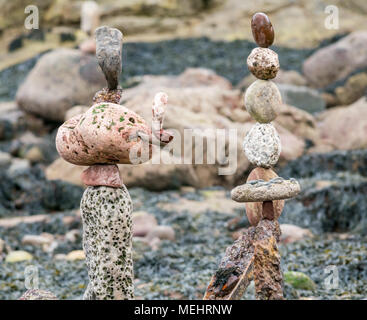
<point>255,210</point>
<point>262,30</point>
<point>262,145</point>
<point>263,63</point>
<point>262,99</point>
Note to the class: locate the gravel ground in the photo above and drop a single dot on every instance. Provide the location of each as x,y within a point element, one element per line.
<point>182,269</point>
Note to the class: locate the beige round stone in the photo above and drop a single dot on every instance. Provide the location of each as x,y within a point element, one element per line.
<point>262,99</point>
<point>263,63</point>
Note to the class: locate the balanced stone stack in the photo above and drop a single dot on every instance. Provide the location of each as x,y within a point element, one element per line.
<point>105,135</point>
<point>264,192</point>
<point>254,255</point>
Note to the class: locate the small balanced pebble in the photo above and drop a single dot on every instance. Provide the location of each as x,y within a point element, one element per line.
<point>262,30</point>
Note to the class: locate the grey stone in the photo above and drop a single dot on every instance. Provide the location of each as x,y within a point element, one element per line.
<point>262,145</point>
<point>108,52</point>
<point>274,189</point>
<point>302,97</point>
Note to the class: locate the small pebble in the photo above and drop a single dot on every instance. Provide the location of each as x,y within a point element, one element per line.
<point>17,256</point>
<point>75,255</point>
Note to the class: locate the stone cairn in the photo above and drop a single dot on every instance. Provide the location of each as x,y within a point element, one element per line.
<point>254,255</point>
<point>105,135</point>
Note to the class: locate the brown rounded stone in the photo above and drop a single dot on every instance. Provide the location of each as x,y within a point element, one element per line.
<point>262,30</point>
<point>256,211</point>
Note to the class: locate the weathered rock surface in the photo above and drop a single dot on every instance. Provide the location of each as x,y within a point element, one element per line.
<point>60,80</point>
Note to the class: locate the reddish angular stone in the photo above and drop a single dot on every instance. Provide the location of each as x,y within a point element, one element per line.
<point>102,175</point>
<point>262,30</point>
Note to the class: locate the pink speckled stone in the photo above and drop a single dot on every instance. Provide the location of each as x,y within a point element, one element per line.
<point>102,175</point>
<point>104,134</point>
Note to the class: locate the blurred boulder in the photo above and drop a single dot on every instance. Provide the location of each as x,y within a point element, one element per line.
<point>162,233</point>
<point>302,97</point>
<point>60,80</point>
<point>74,111</point>
<point>354,88</point>
<point>143,222</point>
<point>291,233</point>
<point>337,60</point>
<point>12,120</point>
<point>299,122</point>
<point>345,127</point>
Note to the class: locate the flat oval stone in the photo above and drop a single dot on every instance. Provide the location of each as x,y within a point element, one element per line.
<point>262,99</point>
<point>262,30</point>
<point>262,145</point>
<point>263,63</point>
<point>260,190</point>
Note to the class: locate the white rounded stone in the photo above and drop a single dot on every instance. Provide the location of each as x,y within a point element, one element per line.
<point>262,145</point>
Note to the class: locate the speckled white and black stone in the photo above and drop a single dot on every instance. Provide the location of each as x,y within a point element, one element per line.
<point>262,145</point>
<point>107,242</point>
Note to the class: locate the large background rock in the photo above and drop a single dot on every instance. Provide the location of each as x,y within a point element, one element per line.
<point>345,127</point>
<point>337,61</point>
<point>60,80</point>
